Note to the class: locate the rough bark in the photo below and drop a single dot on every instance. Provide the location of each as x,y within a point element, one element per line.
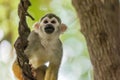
<point>99,21</point>
<point>21,42</point>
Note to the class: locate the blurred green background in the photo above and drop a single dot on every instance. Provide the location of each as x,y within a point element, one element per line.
<point>75,65</point>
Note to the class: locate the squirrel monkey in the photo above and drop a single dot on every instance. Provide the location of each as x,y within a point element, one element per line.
<point>44,46</point>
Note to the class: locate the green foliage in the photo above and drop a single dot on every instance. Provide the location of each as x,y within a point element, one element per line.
<point>8,20</point>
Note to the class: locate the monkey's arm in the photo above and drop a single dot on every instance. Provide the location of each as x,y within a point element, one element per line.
<point>29,50</point>
<point>53,69</point>
<point>33,44</point>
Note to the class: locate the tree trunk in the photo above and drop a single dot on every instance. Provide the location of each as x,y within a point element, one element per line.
<point>100,25</point>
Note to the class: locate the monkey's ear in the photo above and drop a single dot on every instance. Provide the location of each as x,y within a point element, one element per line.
<point>36,25</point>
<point>63,27</point>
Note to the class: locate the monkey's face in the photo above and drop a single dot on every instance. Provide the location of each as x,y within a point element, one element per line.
<point>49,25</point>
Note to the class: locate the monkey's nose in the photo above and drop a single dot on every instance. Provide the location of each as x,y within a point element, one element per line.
<point>49,29</point>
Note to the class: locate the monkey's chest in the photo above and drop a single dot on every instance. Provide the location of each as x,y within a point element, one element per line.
<point>42,54</point>
<point>49,48</point>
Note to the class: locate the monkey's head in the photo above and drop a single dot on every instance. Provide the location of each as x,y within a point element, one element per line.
<point>50,25</point>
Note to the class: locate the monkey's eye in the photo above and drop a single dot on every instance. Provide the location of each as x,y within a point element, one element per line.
<point>45,21</point>
<point>53,21</point>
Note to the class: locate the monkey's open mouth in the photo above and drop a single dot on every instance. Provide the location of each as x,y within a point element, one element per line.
<point>49,29</point>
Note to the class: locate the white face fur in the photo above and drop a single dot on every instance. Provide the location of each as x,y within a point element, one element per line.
<point>49,28</point>
<point>53,21</point>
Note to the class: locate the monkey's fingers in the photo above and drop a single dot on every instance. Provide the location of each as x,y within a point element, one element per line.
<point>33,71</point>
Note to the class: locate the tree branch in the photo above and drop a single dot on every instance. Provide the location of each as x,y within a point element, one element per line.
<point>21,42</point>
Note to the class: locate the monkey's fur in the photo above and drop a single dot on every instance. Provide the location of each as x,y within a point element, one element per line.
<point>44,46</point>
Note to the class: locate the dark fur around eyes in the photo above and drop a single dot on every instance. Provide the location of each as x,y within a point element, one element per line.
<point>51,15</point>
